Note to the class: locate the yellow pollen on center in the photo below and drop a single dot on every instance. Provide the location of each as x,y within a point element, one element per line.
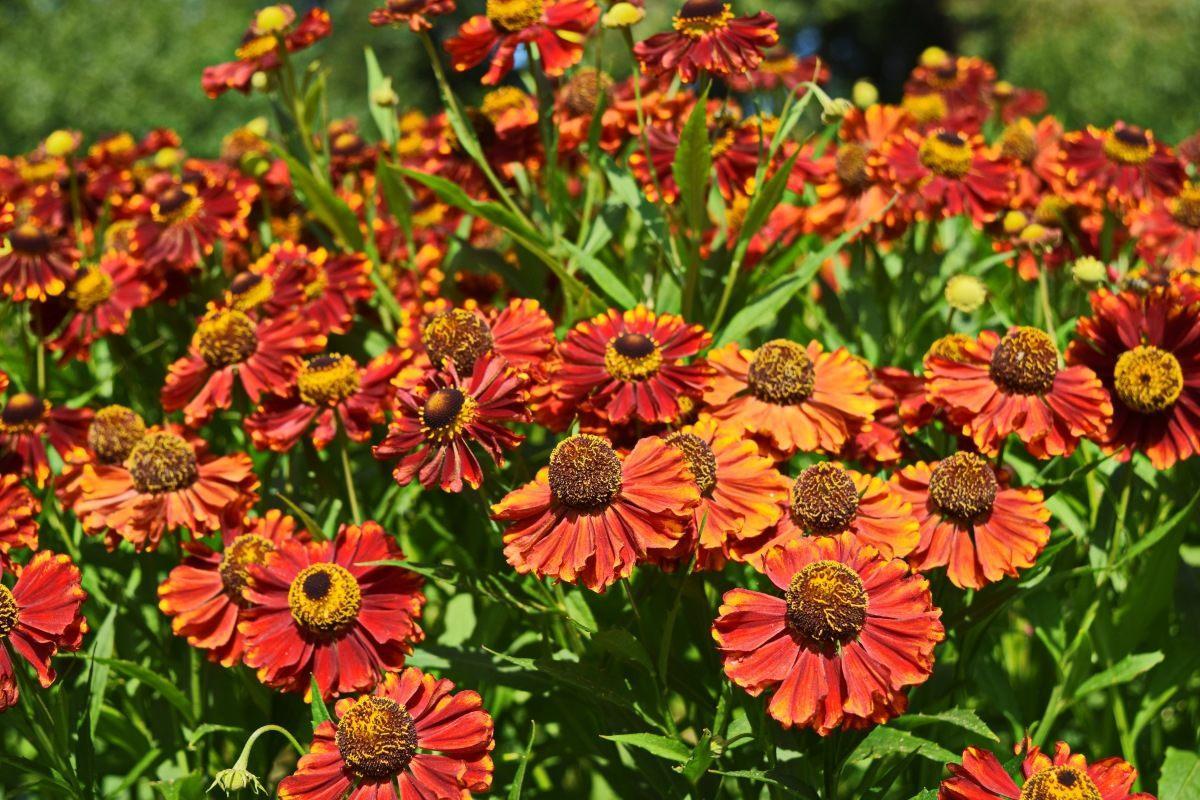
<point>91,288</point>
<point>225,337</point>
<point>1127,145</point>
<point>324,598</point>
<point>176,205</point>
<point>963,487</point>
<point>824,499</point>
<point>947,154</point>
<point>1148,379</point>
<point>826,603</point>
<point>1025,362</point>
<point>10,612</point>
<point>1060,782</point>
<point>114,432</point>
<point>515,15</point>
<point>161,463</point>
<point>457,335</point>
<point>327,380</point>
<point>447,413</point>
<point>700,459</point>
<point>781,372</point>
<point>1018,142</point>
<point>699,18</point>
<point>851,166</point>
<point>632,357</point>
<point>585,472</point>
<point>1185,207</point>
<point>377,738</point>
<point>247,549</point>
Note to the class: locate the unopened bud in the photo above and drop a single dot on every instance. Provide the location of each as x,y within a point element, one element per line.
<point>384,95</point>
<point>168,157</point>
<point>934,57</point>
<point>236,779</point>
<point>623,15</point>
<point>965,293</point>
<point>864,94</point>
<point>271,19</point>
<point>60,143</point>
<point>1014,222</point>
<point>1089,269</point>
<point>259,81</point>
<point>834,110</point>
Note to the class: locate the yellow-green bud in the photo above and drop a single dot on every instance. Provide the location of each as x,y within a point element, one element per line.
<point>60,143</point>
<point>167,157</point>
<point>934,57</point>
<point>835,110</point>
<point>271,20</point>
<point>864,94</point>
<point>1089,270</point>
<point>237,779</point>
<point>623,15</point>
<point>965,293</point>
<point>384,95</point>
<point>260,80</point>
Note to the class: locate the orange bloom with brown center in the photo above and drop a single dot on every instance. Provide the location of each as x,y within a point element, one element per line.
<point>592,514</point>
<point>971,520</point>
<point>707,37</point>
<point>28,423</point>
<point>852,631</point>
<point>995,387</point>
<point>1065,776</point>
<point>1122,165</point>
<point>828,499</point>
<point>801,399</point>
<point>203,595</point>
<point>521,332</point>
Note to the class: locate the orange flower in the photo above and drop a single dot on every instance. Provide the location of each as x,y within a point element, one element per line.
<point>708,38</point>
<point>18,518</point>
<point>852,631</point>
<point>591,515</point>
<point>259,50</point>
<point>39,616</point>
<point>322,610</point>
<point>166,482</point>
<point>39,263</point>
<point>982,777</point>
<point>995,387</point>
<point>27,423</point>
<point>1122,165</point>
<point>203,595</point>
<point>412,732</point>
<point>828,499</point>
<point>557,27</point>
<point>972,520</point>
<point>521,332</point>
<point>799,398</point>
<point>104,296</point>
<point>413,14</point>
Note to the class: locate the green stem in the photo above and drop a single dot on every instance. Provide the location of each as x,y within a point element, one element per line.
<point>348,473</point>
<point>1047,308</point>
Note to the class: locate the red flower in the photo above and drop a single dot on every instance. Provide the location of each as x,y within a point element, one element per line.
<point>627,366</point>
<point>708,38</point>
<point>839,649</point>
<point>436,420</point>
<point>1122,165</point>
<point>414,14</point>
<point>27,423</point>
<point>259,50</point>
<point>981,777</point>
<point>263,355</point>
<point>946,174</point>
<point>412,738</point>
<point>105,296</point>
<point>591,515</point>
<point>331,285</point>
<point>319,610</point>
<point>1167,230</point>
<point>736,148</point>
<point>995,387</point>
<point>330,389</point>
<point>522,333</point>
<point>1146,350</point>
<point>38,265</point>
<point>18,517</point>
<point>203,595</point>
<point>780,67</point>
<point>972,520</point>
<point>166,482</point>
<point>557,27</point>
<point>39,616</point>
<point>800,398</point>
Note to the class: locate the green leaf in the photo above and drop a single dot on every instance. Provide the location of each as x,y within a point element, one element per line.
<point>1180,776</point>
<point>963,718</point>
<point>764,202</point>
<point>319,712</point>
<point>604,277</point>
<point>693,166</point>
<point>514,789</point>
<point>661,746</point>
<point>1123,671</point>
<point>210,728</point>
<point>326,206</point>
<point>1155,535</point>
<point>385,118</point>
<point>453,194</point>
<point>189,787</point>
<point>161,684</point>
<point>884,741</point>
<point>102,647</point>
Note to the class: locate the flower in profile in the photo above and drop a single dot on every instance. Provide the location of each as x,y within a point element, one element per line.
<point>228,345</point>
<point>167,481</point>
<point>203,595</point>
<point>741,491</point>
<point>799,398</point>
<point>412,14</point>
<point>323,610</point>
<point>39,616</point>
<point>104,296</point>
<point>946,173</point>
<point>1122,165</point>
<point>272,28</point>
<point>707,37</point>
<point>19,508</point>
<point>996,386</point>
<point>330,285</point>
<point>851,632</point>
<point>827,499</point>
<point>413,737</point>
<point>558,28</point>
<point>521,332</point>
<point>39,262</point>
<point>632,365</point>
<point>437,420</point>
<point>1066,776</point>
<point>1167,230</point>
<point>1146,352</point>
<point>332,391</point>
<point>27,423</point>
<point>972,521</point>
<point>592,514</point>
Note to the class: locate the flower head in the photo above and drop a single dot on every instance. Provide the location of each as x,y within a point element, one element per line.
<point>557,27</point>
<point>1065,776</point>
<point>707,37</point>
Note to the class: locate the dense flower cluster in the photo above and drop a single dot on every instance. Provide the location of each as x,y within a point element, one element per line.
<point>330,303</point>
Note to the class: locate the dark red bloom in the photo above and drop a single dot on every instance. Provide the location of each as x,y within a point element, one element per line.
<point>945,174</point>
<point>39,263</point>
<point>708,38</point>
<point>27,423</point>
<point>1122,165</point>
<point>1066,776</point>
<point>105,296</point>
<point>18,517</point>
<point>557,28</point>
<point>259,50</point>
<point>413,14</point>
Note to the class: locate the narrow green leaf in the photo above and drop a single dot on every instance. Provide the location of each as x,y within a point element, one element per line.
<point>661,746</point>
<point>385,118</point>
<point>884,741</point>
<point>326,206</point>
<point>1180,776</point>
<point>319,712</point>
<point>514,789</point>
<point>1123,671</point>
<point>102,647</point>
<point>693,166</point>
<point>160,684</point>
<point>605,278</point>
<point>963,718</point>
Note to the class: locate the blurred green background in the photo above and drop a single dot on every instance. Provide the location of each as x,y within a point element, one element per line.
<point>104,65</point>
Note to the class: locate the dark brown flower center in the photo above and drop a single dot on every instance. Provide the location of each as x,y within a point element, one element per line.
<point>963,487</point>
<point>694,9</point>
<point>700,460</point>
<point>114,432</point>
<point>92,287</point>
<point>824,499</point>
<point>1185,207</point>
<point>781,372</point>
<point>826,603</point>
<point>226,337</point>
<point>377,738</point>
<point>582,93</point>
<point>457,335</point>
<point>1025,362</point>
<point>851,166</point>
<point>324,598</point>
<point>585,472</point>
<point>699,18</point>
<point>23,410</point>
<point>162,462</point>
<point>1060,783</point>
<point>10,613</point>
<point>29,240</point>
<point>1128,145</point>
<point>247,549</point>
